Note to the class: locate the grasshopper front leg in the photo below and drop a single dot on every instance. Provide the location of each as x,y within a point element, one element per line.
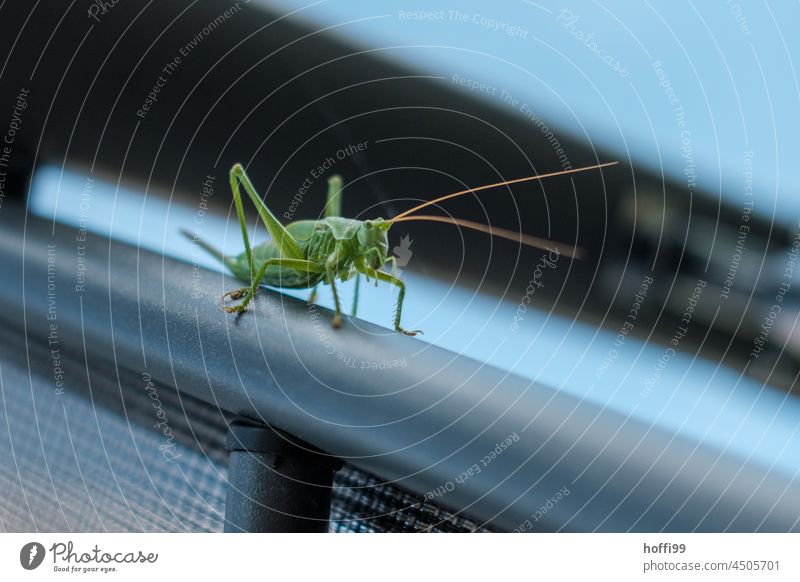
<point>397,282</point>
<point>393,262</point>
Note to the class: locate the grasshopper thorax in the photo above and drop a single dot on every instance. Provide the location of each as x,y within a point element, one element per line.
<point>373,241</point>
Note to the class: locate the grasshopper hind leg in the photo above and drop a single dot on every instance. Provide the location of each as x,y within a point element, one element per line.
<point>248,293</point>
<point>333,203</point>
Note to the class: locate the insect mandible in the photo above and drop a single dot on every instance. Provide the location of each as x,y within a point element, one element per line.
<point>305,253</point>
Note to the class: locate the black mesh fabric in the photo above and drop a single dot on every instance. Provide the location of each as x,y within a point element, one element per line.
<point>91,459</point>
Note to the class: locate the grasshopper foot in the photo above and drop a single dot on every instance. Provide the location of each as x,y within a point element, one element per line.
<point>336,322</point>
<point>313,297</point>
<point>238,294</point>
<point>409,332</point>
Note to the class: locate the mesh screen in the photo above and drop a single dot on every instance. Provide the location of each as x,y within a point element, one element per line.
<point>91,458</point>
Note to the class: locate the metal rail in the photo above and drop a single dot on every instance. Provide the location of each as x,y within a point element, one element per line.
<point>450,429</point>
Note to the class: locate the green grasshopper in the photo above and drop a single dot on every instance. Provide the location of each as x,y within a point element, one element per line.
<point>305,253</point>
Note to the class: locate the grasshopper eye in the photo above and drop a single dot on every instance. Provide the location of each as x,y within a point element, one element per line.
<point>368,224</point>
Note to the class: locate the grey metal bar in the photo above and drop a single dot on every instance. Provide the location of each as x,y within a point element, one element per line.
<point>453,430</point>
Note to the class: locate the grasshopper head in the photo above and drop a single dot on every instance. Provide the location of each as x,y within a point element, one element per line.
<point>373,242</point>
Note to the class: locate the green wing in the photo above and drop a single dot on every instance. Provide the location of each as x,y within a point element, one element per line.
<point>342,228</point>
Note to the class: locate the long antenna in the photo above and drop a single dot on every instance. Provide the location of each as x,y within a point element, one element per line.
<point>531,241</point>
<point>498,184</point>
